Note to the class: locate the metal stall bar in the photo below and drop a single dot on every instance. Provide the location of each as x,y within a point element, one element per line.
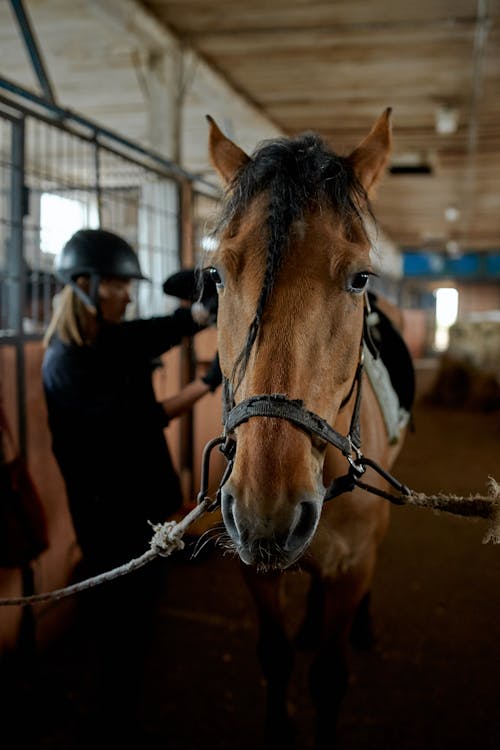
<point>97,167</point>
<point>129,182</point>
<point>187,360</point>
<point>174,170</point>
<point>17,288</point>
<point>33,49</point>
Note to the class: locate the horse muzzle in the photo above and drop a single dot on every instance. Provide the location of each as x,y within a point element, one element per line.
<point>270,540</point>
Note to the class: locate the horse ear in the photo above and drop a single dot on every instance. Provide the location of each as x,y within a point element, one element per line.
<point>372,155</point>
<point>226,157</point>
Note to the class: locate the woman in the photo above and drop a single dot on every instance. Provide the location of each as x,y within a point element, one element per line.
<point>108,438</point>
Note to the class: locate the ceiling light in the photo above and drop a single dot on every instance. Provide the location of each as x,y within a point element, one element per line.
<point>453,248</point>
<point>446,120</point>
<point>451,214</point>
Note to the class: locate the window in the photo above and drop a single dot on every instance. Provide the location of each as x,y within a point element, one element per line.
<point>61,217</point>
<point>446,315</point>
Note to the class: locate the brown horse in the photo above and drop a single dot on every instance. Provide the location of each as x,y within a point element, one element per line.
<point>291,268</point>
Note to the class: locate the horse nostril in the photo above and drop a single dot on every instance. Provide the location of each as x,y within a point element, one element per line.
<point>307,518</point>
<point>227,507</point>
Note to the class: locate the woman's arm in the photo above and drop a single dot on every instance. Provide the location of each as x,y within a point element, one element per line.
<point>181,402</point>
<point>184,400</point>
<point>149,337</point>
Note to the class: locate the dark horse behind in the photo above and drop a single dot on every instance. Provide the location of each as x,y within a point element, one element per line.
<point>296,333</point>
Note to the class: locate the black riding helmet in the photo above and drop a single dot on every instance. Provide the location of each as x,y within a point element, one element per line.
<point>196,286</point>
<point>98,254</point>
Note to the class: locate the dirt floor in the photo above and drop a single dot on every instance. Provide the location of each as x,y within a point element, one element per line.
<point>431,682</point>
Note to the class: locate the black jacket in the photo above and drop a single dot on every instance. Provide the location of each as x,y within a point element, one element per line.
<point>107,434</point>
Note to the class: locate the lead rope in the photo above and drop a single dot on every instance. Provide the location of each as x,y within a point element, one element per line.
<point>167,536</point>
<point>474,506</point>
<point>486,507</point>
<point>166,539</point>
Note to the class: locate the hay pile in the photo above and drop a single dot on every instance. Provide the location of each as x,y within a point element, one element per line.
<point>469,373</point>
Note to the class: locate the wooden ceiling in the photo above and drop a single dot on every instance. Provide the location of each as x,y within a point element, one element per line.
<point>334,65</point>
<point>327,65</point>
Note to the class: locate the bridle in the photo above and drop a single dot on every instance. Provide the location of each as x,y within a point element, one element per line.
<point>279,406</point>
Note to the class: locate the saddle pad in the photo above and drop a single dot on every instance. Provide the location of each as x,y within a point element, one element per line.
<point>390,369</point>
<point>394,354</point>
<point>395,416</point>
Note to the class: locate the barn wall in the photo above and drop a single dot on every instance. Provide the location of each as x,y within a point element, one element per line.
<point>478,298</point>
<point>53,568</point>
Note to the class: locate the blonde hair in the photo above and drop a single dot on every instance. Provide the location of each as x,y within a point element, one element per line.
<point>72,322</point>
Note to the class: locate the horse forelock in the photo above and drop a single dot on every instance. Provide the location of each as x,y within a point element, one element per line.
<point>297,175</point>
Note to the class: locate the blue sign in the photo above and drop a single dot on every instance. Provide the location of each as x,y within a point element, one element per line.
<point>438,265</point>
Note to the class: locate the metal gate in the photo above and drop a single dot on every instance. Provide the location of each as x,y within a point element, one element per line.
<point>58,173</point>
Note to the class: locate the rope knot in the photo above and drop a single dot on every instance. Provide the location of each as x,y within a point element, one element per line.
<point>166,538</point>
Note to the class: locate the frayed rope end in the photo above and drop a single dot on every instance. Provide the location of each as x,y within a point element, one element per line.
<point>493,533</point>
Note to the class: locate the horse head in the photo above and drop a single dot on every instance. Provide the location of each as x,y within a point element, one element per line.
<point>291,267</point>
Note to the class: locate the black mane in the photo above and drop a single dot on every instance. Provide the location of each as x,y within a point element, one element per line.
<point>297,173</point>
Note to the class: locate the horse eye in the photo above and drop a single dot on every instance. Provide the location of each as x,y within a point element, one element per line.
<point>358,282</point>
<point>215,276</point>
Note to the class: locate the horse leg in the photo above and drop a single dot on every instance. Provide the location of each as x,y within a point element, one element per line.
<point>275,654</point>
<point>310,630</point>
<point>329,674</point>
<point>362,636</point>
